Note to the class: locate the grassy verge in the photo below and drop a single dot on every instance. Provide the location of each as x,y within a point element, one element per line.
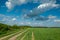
<point>9,32</point>
<point>29,35</point>
<point>14,34</point>
<point>21,36</point>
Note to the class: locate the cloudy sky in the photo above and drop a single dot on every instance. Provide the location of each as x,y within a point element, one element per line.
<point>30,12</point>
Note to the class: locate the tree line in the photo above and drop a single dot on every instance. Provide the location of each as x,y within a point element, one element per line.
<point>4,28</point>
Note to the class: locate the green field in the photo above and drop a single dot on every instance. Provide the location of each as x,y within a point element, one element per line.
<point>37,34</point>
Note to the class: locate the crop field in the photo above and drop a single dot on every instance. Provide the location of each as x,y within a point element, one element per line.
<point>34,34</point>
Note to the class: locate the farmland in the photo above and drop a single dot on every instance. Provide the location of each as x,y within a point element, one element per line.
<point>42,34</point>
<point>35,34</point>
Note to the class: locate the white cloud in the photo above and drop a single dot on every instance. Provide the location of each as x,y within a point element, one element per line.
<point>13,19</point>
<point>47,5</point>
<point>9,5</point>
<point>31,11</point>
<point>12,3</point>
<point>41,9</point>
<point>22,1</point>
<point>28,22</point>
<point>3,17</point>
<point>52,17</point>
<point>57,20</point>
<point>48,1</point>
<point>7,19</point>
<point>21,23</point>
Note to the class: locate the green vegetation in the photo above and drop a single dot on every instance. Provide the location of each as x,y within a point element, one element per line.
<point>42,34</point>
<point>7,29</point>
<point>46,33</point>
<point>31,34</point>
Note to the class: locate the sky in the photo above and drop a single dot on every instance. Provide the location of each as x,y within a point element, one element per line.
<point>30,12</point>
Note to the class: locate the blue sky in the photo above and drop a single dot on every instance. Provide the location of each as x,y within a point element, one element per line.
<point>30,12</point>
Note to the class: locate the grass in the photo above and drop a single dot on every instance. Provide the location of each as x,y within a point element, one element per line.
<point>9,32</point>
<point>46,33</point>
<point>14,34</point>
<point>27,37</point>
<point>41,34</point>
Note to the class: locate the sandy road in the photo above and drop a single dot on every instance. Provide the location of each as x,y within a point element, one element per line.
<point>9,36</point>
<point>24,36</point>
<point>32,36</point>
<point>14,37</point>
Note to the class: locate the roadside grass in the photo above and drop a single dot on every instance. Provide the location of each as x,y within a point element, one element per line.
<point>40,34</point>
<point>10,29</point>
<point>21,36</point>
<point>9,32</point>
<point>29,35</point>
<point>14,34</point>
<point>15,37</point>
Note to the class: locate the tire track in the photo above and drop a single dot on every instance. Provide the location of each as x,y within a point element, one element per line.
<point>9,36</point>
<point>24,36</point>
<point>32,36</point>
<point>14,37</point>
